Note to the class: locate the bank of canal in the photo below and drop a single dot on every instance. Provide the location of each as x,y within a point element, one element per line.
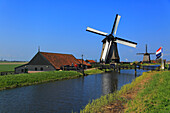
<point>26,79</point>
<point>148,93</point>
<point>65,95</point>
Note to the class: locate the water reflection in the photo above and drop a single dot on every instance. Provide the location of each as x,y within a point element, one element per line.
<point>109,83</point>
<point>63,96</point>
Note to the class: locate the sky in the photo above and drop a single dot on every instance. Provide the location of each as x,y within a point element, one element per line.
<point>59,26</point>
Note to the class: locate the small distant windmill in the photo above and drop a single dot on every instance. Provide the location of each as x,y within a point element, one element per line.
<point>109,49</point>
<point>146,56</point>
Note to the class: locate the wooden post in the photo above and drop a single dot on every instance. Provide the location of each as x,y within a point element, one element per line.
<point>135,68</point>
<point>135,75</point>
<point>119,69</point>
<point>82,66</point>
<point>164,64</point>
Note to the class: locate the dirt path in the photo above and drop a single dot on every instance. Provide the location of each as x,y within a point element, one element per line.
<point>120,106</point>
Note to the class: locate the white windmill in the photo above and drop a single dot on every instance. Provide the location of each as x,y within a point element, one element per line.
<point>109,49</point>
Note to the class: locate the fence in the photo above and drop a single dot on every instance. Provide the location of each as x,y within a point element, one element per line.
<point>119,67</point>
<point>7,73</point>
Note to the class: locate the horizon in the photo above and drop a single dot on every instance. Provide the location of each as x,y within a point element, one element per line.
<point>60,27</point>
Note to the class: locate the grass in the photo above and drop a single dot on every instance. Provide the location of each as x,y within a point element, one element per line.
<point>96,105</point>
<point>96,71</point>
<point>154,96</point>
<point>13,62</point>
<point>18,80</point>
<point>93,71</point>
<point>8,67</point>
<point>145,64</point>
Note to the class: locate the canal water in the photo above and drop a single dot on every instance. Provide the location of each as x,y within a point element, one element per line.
<point>63,96</point>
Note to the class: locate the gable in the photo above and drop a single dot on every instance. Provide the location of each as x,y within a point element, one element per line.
<point>39,59</point>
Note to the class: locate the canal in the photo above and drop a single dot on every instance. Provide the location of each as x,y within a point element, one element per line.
<point>63,96</point>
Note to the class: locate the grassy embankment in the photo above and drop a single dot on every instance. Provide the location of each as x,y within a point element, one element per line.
<point>18,80</point>
<point>94,71</point>
<point>155,97</point>
<point>148,93</point>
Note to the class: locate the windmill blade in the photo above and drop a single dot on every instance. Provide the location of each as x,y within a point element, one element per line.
<point>106,50</point>
<point>96,31</point>
<point>146,49</point>
<point>115,25</point>
<point>140,53</point>
<point>152,53</point>
<point>125,42</point>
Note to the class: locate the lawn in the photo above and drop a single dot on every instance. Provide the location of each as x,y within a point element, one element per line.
<point>8,67</point>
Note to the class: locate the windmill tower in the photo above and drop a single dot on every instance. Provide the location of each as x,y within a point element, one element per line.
<point>109,50</point>
<point>146,55</point>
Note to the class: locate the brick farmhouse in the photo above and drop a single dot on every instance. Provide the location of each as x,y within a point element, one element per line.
<point>44,61</point>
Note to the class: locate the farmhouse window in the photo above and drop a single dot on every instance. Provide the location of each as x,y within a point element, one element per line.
<point>41,68</point>
<point>26,70</point>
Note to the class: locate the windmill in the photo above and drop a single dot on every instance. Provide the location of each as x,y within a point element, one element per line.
<point>146,56</point>
<point>109,49</point>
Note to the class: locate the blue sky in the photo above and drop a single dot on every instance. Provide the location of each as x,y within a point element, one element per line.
<point>60,26</point>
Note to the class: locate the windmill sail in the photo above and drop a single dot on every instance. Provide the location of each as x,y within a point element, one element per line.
<point>147,50</point>
<point>96,31</point>
<point>115,25</point>
<point>140,53</point>
<point>106,51</point>
<point>125,42</point>
<point>109,49</point>
<point>146,55</point>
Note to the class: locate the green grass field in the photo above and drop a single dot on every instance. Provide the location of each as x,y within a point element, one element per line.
<point>155,97</point>
<point>13,62</point>
<point>8,67</point>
